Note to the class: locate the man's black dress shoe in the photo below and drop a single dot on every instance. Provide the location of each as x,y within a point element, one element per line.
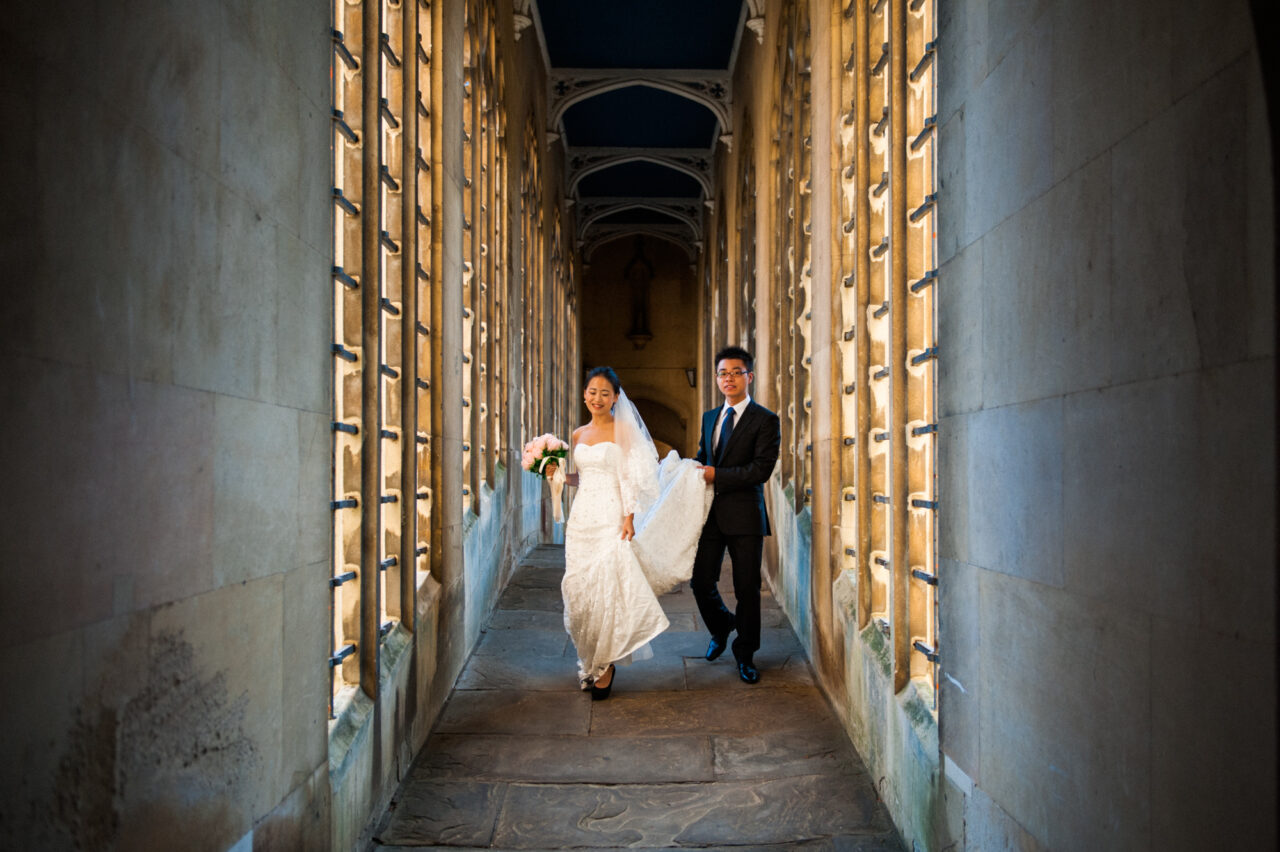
<point>717,646</point>
<point>748,672</point>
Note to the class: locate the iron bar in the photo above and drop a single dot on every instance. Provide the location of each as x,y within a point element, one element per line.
<point>849,497</point>
<point>881,311</point>
<point>384,45</point>
<point>388,243</point>
<point>930,429</point>
<point>384,110</point>
<point>422,273</point>
<point>423,219</point>
<point>343,652</point>
<point>879,127</point>
<point>340,46</point>
<point>919,213</point>
<point>423,383</point>
<point>930,124</point>
<point>931,579</point>
<point>423,439</point>
<point>389,307</point>
<point>879,251</point>
<point>388,498</point>
<point>924,504</point>
<point>349,503</point>
<point>343,352</point>
<point>882,185</point>
<point>345,129</point>
<point>881,436</point>
<point>849,442</point>
<point>930,50</point>
<point>422,495</point>
<point>384,174</point>
<point>421,329</point>
<point>849,280</point>
<point>389,372</point>
<point>927,355</point>
<point>881,561</point>
<point>387,627</point>
<point>342,201</point>
<point>882,373</point>
<point>335,582</point>
<point>882,499</point>
<point>849,551</point>
<point>389,562</point>
<point>341,275</point>
<point>929,278</point>
<point>422,550</point>
<point>388,434</point>
<point>930,654</point>
<point>349,428</point>
<point>882,61</point>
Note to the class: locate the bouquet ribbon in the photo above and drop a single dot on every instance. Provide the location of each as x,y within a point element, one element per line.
<point>556,482</point>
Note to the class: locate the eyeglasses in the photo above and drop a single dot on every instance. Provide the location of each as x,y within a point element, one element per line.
<point>731,374</point>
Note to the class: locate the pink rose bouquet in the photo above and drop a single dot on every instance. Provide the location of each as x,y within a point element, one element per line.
<point>541,450</point>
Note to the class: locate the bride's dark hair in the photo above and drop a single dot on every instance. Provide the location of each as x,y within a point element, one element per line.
<point>608,373</point>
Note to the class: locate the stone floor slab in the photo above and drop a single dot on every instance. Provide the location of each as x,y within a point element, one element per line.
<point>547,600</point>
<point>490,711</point>
<point>823,749</point>
<point>727,812</point>
<point>518,619</point>
<point>520,644</point>
<point>747,711</point>
<point>452,813</point>
<point>540,674</point>
<point>599,760</point>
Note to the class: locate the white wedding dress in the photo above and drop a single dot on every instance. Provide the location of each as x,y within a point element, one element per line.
<point>611,586</point>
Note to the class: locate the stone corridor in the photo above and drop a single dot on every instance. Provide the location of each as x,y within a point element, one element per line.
<point>682,755</point>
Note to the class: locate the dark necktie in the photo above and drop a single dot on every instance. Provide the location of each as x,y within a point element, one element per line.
<point>725,429</point>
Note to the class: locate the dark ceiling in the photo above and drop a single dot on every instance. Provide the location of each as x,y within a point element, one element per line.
<point>637,126</point>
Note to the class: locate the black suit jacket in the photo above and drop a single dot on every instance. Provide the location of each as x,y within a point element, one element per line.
<point>747,463</point>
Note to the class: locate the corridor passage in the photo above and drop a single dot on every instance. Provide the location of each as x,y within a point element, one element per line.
<point>682,755</point>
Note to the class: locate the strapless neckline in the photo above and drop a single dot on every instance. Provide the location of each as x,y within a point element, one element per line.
<point>596,444</point>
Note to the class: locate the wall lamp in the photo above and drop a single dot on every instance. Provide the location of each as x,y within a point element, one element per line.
<point>691,373</point>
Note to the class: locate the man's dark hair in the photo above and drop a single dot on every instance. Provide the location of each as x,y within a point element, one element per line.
<point>735,353</point>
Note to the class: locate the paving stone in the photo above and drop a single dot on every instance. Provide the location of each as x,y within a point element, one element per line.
<point>751,710</point>
<point>540,674</point>
<point>516,619</point>
<point>727,812</point>
<point>538,578</point>
<point>548,600</point>
<point>522,643</point>
<point>823,749</point>
<point>490,711</point>
<point>601,760</point>
<point>442,812</point>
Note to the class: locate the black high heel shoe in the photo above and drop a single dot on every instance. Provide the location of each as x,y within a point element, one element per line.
<point>599,693</point>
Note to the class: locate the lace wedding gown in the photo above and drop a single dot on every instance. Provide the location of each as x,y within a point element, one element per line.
<point>611,586</point>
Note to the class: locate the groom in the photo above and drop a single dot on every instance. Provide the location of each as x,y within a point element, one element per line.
<point>738,448</point>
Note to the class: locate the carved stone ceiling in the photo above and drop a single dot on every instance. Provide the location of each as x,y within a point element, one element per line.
<point>641,99</point>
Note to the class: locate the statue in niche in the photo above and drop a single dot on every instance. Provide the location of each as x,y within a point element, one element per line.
<point>639,272</point>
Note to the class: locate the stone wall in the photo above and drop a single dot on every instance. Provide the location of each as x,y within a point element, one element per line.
<point>168,445</point>
<point>1107,398</point>
<point>167,451</point>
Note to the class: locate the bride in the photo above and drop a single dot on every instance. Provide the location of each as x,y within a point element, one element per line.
<point>631,535</point>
